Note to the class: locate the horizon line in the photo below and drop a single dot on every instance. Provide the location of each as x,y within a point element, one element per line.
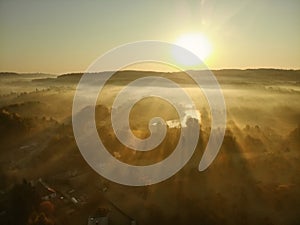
<point>158,71</point>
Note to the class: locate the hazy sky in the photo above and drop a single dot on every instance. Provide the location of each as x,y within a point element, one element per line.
<point>67,35</point>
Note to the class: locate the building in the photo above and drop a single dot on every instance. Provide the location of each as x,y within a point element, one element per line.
<point>100,217</point>
<point>45,192</point>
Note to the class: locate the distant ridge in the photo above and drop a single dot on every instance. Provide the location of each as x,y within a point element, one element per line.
<point>225,76</point>
<point>21,74</point>
<point>10,73</point>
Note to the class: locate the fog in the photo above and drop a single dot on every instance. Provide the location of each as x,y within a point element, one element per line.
<point>255,178</point>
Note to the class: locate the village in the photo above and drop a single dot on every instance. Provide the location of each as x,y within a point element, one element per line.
<point>65,202</point>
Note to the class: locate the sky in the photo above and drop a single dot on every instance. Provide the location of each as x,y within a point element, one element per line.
<point>61,36</point>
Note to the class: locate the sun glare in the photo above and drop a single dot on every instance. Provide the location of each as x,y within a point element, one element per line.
<point>196,43</point>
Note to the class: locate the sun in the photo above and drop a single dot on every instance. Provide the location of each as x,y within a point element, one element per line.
<point>196,43</point>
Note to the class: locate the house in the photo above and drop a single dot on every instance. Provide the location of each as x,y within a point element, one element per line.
<point>45,192</point>
<point>100,217</point>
